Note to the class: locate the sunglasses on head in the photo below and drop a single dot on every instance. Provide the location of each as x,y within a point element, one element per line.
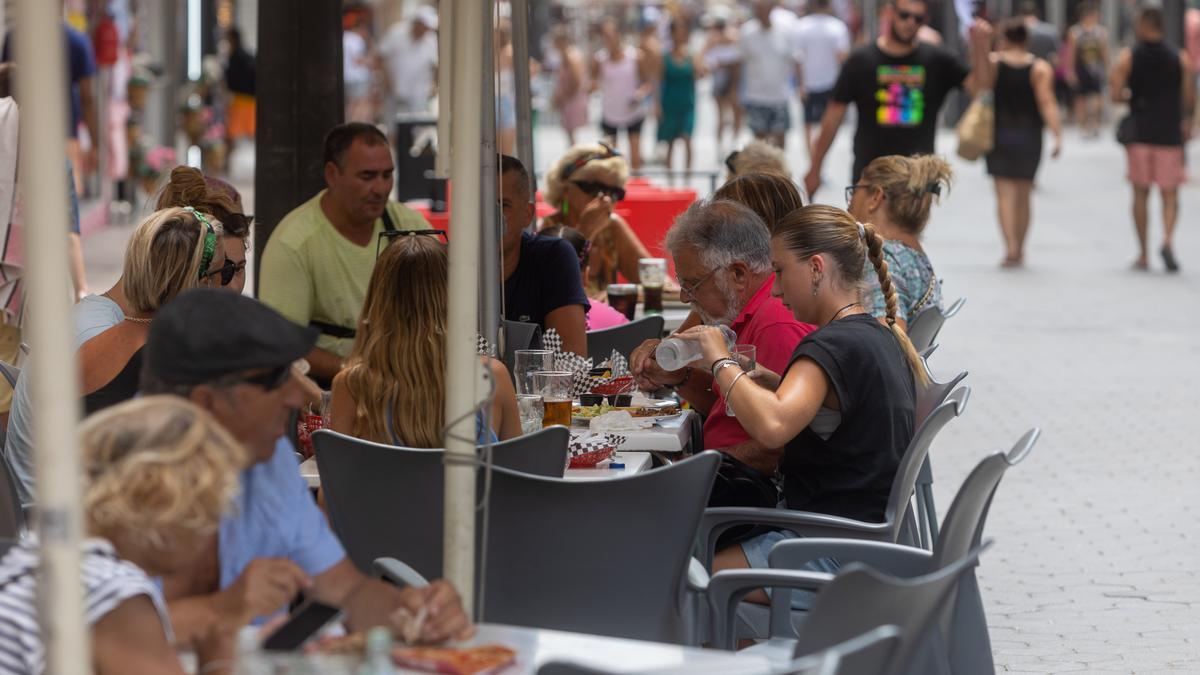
<point>571,168</point>
<point>905,16</point>
<point>392,235</point>
<point>730,160</point>
<point>238,218</point>
<point>592,188</point>
<point>228,271</point>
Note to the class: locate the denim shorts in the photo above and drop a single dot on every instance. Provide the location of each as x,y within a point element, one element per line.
<point>758,548</point>
<point>768,119</point>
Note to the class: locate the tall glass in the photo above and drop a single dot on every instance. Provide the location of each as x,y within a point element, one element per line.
<point>529,400</point>
<point>555,389</point>
<point>653,273</point>
<point>623,298</point>
<point>746,356</point>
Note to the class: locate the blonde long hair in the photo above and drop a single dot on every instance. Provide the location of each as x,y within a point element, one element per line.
<point>911,184</point>
<point>399,356</point>
<point>833,232</point>
<point>163,257</point>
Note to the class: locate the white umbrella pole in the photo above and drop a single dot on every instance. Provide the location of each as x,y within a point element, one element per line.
<point>471,19</point>
<point>445,94</point>
<point>42,97</point>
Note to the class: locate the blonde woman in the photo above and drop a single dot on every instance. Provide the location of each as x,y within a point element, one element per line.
<point>584,184</point>
<point>393,388</point>
<point>171,251</point>
<point>160,474</point>
<point>843,409</point>
<point>896,194</point>
<point>208,194</point>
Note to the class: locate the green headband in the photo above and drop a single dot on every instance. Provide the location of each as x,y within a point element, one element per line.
<point>210,241</point>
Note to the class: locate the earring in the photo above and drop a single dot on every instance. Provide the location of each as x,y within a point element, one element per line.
<point>816,284</point>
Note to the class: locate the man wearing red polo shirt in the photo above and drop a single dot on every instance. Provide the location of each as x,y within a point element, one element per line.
<point>722,257</point>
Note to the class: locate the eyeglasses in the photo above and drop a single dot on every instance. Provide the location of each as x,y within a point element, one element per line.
<point>391,235</point>
<point>246,221</point>
<point>691,290</point>
<point>850,192</point>
<point>228,271</point>
<point>592,188</point>
<point>905,16</point>
<point>269,381</point>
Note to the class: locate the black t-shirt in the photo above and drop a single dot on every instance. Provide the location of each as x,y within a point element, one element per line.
<point>850,474</point>
<point>547,277</point>
<point>898,98</point>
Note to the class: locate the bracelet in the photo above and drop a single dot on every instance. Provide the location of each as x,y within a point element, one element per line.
<point>721,363</point>
<point>729,391</point>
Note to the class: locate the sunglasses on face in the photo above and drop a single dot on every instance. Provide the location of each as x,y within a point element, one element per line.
<point>592,188</point>
<point>913,16</point>
<point>392,235</point>
<point>228,271</point>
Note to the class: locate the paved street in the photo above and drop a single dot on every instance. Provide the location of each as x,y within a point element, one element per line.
<point>1095,566</point>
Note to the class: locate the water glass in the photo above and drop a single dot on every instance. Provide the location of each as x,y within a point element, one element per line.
<point>529,406</point>
<point>746,356</point>
<point>555,389</point>
<point>528,362</point>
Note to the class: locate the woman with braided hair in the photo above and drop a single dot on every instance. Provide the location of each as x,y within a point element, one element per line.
<point>843,410</point>
<point>896,194</point>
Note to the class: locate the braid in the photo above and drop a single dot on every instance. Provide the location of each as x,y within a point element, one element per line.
<point>874,244</point>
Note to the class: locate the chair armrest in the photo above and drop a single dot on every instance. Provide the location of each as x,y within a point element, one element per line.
<point>899,561</point>
<point>398,573</point>
<point>716,521</point>
<point>727,588</point>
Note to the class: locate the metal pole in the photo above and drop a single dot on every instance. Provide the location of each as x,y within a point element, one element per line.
<point>472,20</point>
<point>55,398</point>
<point>489,251</point>
<point>445,97</point>
<point>520,38</point>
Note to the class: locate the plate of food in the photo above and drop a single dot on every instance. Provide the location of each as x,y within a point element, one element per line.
<point>584,414</point>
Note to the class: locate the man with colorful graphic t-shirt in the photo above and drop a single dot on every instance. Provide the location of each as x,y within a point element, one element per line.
<point>898,85</point>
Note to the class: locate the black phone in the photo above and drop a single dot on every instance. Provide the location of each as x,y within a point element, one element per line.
<point>302,624</point>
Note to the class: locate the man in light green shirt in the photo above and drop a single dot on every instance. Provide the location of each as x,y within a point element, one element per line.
<point>318,262</point>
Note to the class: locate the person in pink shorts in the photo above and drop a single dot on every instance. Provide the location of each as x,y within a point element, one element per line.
<point>1156,80</point>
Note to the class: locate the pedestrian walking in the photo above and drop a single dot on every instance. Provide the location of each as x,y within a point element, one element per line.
<point>1043,37</point>
<point>677,94</point>
<point>240,81</point>
<point>625,80</point>
<point>898,85</point>
<point>1025,105</point>
<point>1157,81</point>
<point>570,96</point>
<point>721,56</point>
<point>768,65</point>
<point>1087,46</point>
<point>409,51</point>
<point>822,42</point>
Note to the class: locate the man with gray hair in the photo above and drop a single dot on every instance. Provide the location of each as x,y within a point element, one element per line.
<point>722,253</point>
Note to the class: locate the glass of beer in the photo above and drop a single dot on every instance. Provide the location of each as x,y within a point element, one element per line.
<point>623,298</point>
<point>555,389</point>
<point>653,272</point>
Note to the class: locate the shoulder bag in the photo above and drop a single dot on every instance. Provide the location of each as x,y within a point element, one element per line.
<point>977,128</point>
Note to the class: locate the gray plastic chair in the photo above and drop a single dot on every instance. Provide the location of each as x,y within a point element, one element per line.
<point>604,557</point>
<point>897,514</point>
<point>855,601</point>
<point>10,373</point>
<point>386,501</point>
<point>623,339</point>
<point>929,397</point>
<point>962,645</point>
<point>925,326</point>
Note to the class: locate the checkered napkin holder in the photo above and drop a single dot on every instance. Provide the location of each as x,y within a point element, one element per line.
<point>591,449</point>
<point>580,368</point>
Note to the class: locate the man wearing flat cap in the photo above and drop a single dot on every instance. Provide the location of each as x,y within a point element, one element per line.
<point>233,356</point>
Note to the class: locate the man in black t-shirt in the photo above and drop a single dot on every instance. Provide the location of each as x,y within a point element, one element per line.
<point>898,85</point>
<point>542,281</point>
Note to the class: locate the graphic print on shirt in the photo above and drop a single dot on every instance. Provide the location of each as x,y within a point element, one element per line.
<point>900,95</point>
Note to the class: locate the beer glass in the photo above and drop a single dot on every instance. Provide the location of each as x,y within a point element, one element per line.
<point>653,272</point>
<point>555,389</point>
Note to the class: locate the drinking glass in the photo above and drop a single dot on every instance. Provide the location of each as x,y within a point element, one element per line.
<point>529,406</point>
<point>623,298</point>
<point>746,356</point>
<point>528,362</point>
<point>653,273</point>
<point>555,389</point>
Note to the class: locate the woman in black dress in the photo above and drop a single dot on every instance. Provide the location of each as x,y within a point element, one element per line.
<point>1025,104</point>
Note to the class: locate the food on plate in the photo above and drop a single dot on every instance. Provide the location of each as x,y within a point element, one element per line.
<point>354,643</point>
<point>593,411</point>
<point>455,661</point>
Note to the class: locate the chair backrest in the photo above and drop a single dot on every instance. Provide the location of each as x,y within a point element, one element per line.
<point>900,496</point>
<point>924,327</point>
<point>10,373</point>
<point>519,335</point>
<point>852,657</point>
<point>933,393</point>
<point>625,338</point>
<point>603,557</point>
<point>386,500</point>
<point>877,599</point>
<point>12,516</point>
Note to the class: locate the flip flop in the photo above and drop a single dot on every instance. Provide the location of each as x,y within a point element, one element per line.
<point>1168,257</point>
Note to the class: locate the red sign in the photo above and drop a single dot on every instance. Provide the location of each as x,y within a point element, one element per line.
<point>107,41</point>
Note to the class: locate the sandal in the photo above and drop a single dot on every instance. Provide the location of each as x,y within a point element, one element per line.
<point>1168,257</point>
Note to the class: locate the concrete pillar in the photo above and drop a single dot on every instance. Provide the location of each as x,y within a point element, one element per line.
<point>299,92</point>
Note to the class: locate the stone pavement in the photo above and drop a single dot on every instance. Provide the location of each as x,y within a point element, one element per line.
<point>1097,550</point>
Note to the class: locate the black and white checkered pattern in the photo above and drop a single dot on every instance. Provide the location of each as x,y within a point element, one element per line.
<point>582,445</point>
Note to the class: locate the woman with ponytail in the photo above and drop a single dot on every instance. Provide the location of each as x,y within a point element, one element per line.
<point>208,194</point>
<point>895,194</point>
<point>843,410</point>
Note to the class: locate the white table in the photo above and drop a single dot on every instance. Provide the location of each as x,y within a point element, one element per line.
<point>536,647</point>
<point>670,436</point>
<point>635,462</point>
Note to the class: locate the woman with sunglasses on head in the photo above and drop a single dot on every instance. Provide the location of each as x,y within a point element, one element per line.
<point>584,184</point>
<point>895,194</point>
<point>170,252</point>
<point>393,388</point>
<point>208,194</point>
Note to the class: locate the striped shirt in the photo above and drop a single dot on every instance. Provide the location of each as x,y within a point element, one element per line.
<point>107,581</point>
